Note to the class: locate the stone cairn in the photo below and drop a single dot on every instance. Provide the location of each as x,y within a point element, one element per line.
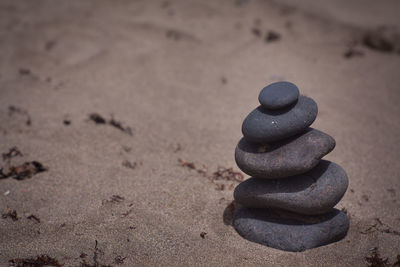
<point>288,202</point>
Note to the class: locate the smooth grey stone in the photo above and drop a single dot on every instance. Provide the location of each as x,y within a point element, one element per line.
<point>314,192</point>
<point>290,231</point>
<point>265,126</point>
<point>292,156</point>
<point>278,95</point>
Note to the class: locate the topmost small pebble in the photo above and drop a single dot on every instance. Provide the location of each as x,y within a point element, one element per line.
<point>278,95</point>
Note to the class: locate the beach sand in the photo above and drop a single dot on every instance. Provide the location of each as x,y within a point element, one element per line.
<point>178,78</point>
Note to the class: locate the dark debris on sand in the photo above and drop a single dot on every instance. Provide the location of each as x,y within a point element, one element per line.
<point>39,261</point>
<point>96,251</point>
<point>272,36</point>
<point>375,260</point>
<point>113,199</point>
<point>34,218</point>
<point>24,71</point>
<point>383,39</point>
<point>130,165</point>
<point>119,126</point>
<point>12,153</point>
<point>98,119</point>
<point>177,35</point>
<point>353,52</point>
<point>203,235</point>
<point>119,260</point>
<point>21,172</point>
<point>375,41</point>
<point>218,178</point>
<point>49,45</point>
<point>379,226</point>
<point>174,34</point>
<point>10,214</point>
<point>187,164</point>
<point>227,174</point>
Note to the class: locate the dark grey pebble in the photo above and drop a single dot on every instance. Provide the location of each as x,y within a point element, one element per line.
<point>314,192</point>
<point>290,231</point>
<point>292,156</point>
<point>278,95</point>
<point>265,126</point>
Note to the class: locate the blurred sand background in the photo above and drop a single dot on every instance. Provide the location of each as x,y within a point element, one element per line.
<point>183,75</point>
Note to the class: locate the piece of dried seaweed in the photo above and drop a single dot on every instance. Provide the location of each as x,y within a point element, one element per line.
<point>10,214</point>
<point>187,164</point>
<point>96,251</point>
<point>377,40</point>
<point>96,118</point>
<point>33,217</point>
<point>130,165</point>
<point>113,199</point>
<point>24,171</point>
<point>221,174</point>
<point>379,226</point>
<point>227,174</point>
<point>39,261</point>
<point>12,152</point>
<point>119,260</point>
<point>375,259</point>
<point>272,36</point>
<point>203,234</point>
<point>119,126</point>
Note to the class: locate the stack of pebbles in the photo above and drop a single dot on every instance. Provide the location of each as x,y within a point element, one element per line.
<point>288,202</point>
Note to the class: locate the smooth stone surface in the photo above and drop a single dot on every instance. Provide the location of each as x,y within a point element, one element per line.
<point>314,192</point>
<point>278,95</point>
<point>265,126</point>
<point>290,157</point>
<point>290,231</point>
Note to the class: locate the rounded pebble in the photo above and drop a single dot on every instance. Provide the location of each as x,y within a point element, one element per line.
<point>314,192</point>
<point>278,95</point>
<point>265,126</point>
<point>290,231</point>
<point>294,156</point>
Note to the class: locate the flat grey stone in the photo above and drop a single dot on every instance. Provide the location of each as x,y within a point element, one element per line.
<point>290,231</point>
<point>278,95</point>
<point>292,156</point>
<point>314,192</point>
<point>266,126</point>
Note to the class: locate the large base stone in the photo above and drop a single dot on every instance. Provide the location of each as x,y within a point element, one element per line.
<point>290,231</point>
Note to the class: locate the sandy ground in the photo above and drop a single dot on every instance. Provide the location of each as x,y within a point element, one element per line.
<point>183,75</point>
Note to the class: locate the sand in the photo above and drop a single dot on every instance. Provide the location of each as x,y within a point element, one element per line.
<point>183,75</point>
